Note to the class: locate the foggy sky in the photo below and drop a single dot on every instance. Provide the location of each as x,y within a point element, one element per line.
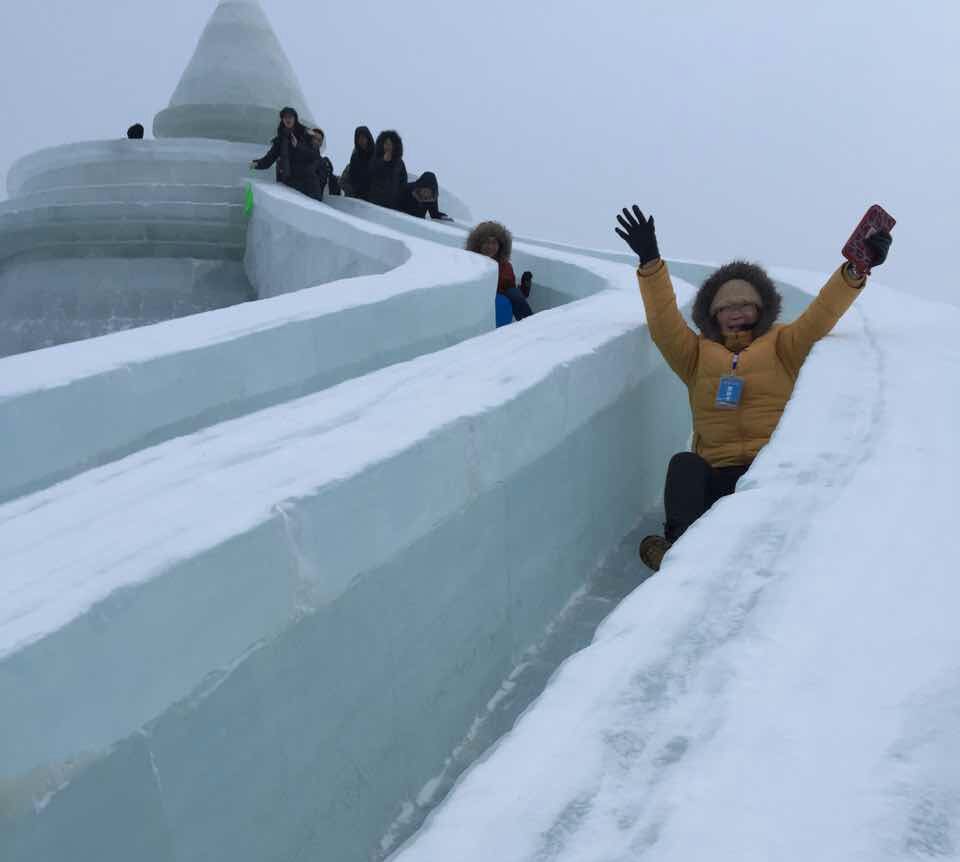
<point>750,129</point>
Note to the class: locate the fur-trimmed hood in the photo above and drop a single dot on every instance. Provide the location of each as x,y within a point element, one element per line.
<point>487,229</point>
<point>749,272</point>
<point>397,144</point>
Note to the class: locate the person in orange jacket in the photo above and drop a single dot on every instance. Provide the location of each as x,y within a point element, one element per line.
<point>740,369</point>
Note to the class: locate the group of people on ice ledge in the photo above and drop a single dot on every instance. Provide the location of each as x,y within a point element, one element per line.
<point>740,368</point>
<point>377,174</point>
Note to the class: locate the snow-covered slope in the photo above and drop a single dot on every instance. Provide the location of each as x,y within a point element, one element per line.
<point>789,686</point>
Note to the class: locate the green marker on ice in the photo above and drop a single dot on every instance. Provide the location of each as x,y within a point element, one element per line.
<point>248,205</point>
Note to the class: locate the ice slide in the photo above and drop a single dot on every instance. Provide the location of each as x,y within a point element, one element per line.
<point>789,687</point>
<point>296,567</point>
<point>270,632</point>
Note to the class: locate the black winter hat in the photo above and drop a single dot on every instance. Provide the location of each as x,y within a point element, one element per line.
<point>135,132</point>
<point>289,111</point>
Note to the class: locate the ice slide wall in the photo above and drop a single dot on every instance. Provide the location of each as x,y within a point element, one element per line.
<point>344,300</point>
<point>273,680</point>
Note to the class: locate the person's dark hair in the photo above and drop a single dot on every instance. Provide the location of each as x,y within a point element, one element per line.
<point>749,272</point>
<point>323,135</point>
<point>488,229</point>
<point>397,144</point>
<point>289,112</point>
<point>135,132</point>
<point>363,130</point>
<point>527,276</point>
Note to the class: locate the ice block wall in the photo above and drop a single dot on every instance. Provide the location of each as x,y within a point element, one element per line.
<point>317,648</point>
<point>146,385</point>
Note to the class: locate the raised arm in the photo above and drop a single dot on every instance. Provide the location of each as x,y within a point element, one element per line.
<point>267,161</point>
<point>676,341</point>
<point>796,340</point>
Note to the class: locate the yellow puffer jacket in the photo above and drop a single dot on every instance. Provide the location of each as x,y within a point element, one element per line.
<point>768,365</point>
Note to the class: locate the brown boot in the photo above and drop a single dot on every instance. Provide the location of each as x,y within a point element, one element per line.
<point>652,551</point>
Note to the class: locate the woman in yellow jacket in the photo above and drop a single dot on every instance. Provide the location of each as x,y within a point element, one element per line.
<point>740,370</point>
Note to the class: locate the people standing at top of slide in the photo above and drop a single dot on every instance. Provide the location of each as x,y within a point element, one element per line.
<point>293,154</point>
<point>388,173</point>
<point>740,369</point>
<point>355,180</point>
<point>493,240</point>
<point>135,132</point>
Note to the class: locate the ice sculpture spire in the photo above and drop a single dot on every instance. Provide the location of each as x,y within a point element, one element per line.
<point>235,83</point>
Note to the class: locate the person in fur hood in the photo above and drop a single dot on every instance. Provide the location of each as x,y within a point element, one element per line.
<point>493,240</point>
<point>388,173</point>
<point>740,369</point>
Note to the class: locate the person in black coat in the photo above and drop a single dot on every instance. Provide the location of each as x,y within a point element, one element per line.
<point>388,173</point>
<point>422,197</point>
<point>293,154</point>
<point>322,174</point>
<point>356,178</point>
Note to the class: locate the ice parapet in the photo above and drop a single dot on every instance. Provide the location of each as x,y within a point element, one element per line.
<point>327,637</point>
<point>181,375</point>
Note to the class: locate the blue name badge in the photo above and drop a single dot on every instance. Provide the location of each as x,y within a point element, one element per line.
<point>730,392</point>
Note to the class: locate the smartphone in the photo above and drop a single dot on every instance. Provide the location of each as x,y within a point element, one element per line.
<point>856,251</point>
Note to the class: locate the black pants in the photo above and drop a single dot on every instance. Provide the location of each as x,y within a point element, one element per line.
<point>693,486</point>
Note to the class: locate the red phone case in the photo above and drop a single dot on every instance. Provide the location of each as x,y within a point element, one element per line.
<point>875,220</point>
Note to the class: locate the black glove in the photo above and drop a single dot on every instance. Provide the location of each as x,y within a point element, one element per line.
<point>639,233</point>
<point>878,246</point>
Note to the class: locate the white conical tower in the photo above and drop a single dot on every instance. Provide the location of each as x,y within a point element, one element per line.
<point>236,82</point>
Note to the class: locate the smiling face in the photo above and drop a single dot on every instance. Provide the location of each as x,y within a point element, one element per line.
<point>490,247</point>
<point>738,317</point>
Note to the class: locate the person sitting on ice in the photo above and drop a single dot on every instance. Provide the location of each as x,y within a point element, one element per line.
<point>135,132</point>
<point>493,240</point>
<point>388,173</point>
<point>422,197</point>
<point>293,154</point>
<point>355,180</point>
<point>740,370</point>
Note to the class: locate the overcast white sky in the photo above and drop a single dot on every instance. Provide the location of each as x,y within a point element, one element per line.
<point>756,129</point>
